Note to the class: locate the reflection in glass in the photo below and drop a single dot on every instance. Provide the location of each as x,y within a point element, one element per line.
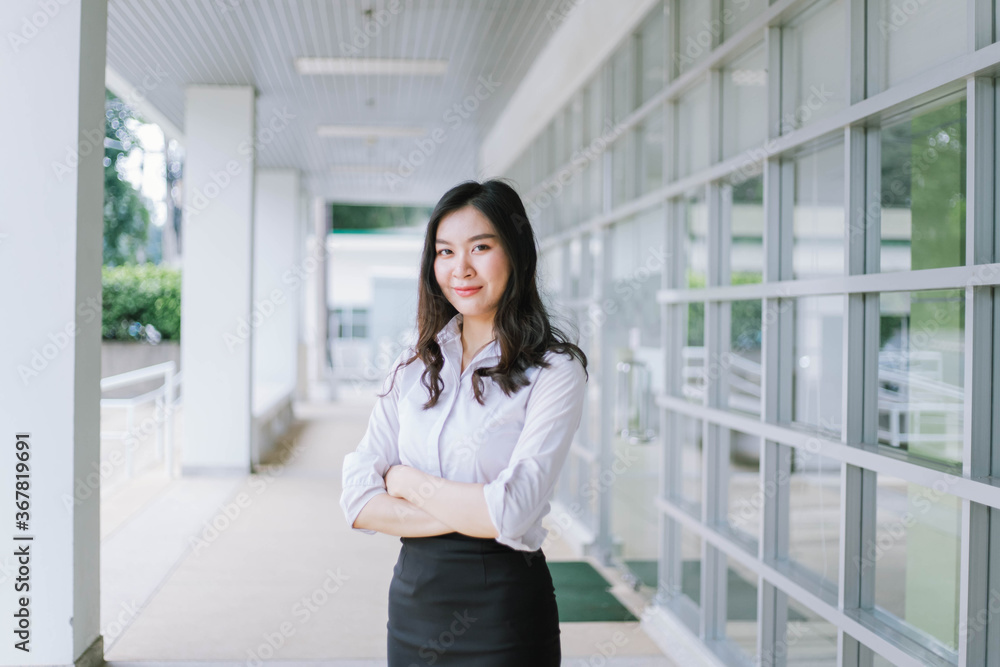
<point>741,607</point>
<point>623,169</point>
<point>818,214</point>
<point>810,641</point>
<point>693,352</point>
<point>690,566</point>
<point>746,221</point>
<point>814,515</point>
<point>744,102</point>
<point>922,209</point>
<point>622,93</point>
<point>650,145</point>
<point>916,556</point>
<point>817,362</point>
<point>745,500</point>
<point>741,368</point>
<point>687,431</point>
<point>904,31</point>
<point>737,13</point>
<point>694,213</point>
<point>694,34</point>
<point>653,54</point>
<point>692,130</point>
<point>921,373</point>
<point>812,81</point>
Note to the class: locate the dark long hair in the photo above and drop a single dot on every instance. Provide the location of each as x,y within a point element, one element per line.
<point>521,324</point>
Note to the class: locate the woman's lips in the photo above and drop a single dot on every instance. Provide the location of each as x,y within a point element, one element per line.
<point>467,292</point>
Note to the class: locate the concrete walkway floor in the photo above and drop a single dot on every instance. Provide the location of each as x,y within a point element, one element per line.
<point>263,570</point>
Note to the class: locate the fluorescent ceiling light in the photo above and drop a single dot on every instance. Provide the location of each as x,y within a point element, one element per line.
<point>365,131</point>
<point>388,66</point>
<point>362,169</point>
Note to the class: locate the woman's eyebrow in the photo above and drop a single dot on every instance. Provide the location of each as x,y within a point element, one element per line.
<point>474,238</point>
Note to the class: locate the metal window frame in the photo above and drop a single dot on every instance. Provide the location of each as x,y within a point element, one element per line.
<point>860,630</point>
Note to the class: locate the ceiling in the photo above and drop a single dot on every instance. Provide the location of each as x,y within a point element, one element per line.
<point>255,42</point>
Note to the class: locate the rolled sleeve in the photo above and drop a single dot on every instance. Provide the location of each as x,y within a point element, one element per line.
<point>519,496</point>
<point>364,469</point>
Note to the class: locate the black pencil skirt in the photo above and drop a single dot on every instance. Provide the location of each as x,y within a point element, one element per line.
<point>471,601</point>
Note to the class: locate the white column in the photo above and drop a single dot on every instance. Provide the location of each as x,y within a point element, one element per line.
<point>316,306</point>
<point>51,187</point>
<point>217,279</point>
<point>278,278</point>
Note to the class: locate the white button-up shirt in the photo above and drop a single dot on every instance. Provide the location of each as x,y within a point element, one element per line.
<point>515,445</point>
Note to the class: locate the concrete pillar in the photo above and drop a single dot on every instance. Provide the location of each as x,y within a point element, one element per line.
<point>217,285</point>
<point>316,306</point>
<point>51,186</point>
<point>278,278</point>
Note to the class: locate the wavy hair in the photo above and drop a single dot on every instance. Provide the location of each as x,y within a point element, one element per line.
<point>521,324</point>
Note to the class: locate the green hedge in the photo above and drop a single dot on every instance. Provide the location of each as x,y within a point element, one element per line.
<point>141,302</point>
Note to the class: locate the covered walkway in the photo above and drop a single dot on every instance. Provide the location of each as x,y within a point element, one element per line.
<point>262,569</point>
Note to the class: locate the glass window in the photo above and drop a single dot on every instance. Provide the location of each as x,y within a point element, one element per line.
<point>922,210</point>
<point>653,53</point>
<point>818,213</point>
<point>817,362</point>
<point>575,283</point>
<point>646,279</point>
<point>688,432</point>
<point>359,323</point>
<point>650,144</point>
<point>622,90</point>
<point>741,607</point>
<point>744,484</point>
<point>746,223</point>
<point>813,82</point>
<point>695,220</point>
<point>623,162</point>
<point>691,566</point>
<point>916,556</point>
<point>695,35</point>
<point>814,515</point>
<point>810,641</point>
<point>901,31</point>
<point>737,13</point>
<point>744,102</point>
<point>741,369</point>
<point>693,353</point>
<point>921,373</point>
<point>692,130</point>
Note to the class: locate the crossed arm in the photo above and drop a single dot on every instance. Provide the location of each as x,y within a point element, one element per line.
<point>418,504</point>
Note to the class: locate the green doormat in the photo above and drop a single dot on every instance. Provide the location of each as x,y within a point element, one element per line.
<point>582,594</point>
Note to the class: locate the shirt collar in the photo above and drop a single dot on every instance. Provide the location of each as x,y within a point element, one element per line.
<point>451,332</point>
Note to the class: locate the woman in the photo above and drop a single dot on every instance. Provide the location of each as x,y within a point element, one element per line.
<point>463,450</point>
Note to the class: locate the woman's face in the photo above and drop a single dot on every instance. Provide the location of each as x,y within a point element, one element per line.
<point>468,254</point>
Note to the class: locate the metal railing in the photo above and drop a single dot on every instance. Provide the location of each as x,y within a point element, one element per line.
<point>163,398</point>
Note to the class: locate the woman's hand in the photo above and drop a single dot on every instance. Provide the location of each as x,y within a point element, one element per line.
<point>402,481</point>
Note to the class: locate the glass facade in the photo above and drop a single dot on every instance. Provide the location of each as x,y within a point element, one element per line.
<point>780,246</point>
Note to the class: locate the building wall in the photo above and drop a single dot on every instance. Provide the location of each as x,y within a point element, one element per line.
<point>782,217</point>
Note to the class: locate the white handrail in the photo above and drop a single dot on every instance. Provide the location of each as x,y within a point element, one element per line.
<point>163,396</point>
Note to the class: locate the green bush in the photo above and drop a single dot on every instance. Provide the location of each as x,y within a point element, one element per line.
<point>137,296</point>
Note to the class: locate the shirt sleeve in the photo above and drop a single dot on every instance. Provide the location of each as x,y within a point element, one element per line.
<point>519,496</point>
<point>364,469</point>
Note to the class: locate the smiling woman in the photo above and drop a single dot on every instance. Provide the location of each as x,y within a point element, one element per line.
<point>460,460</point>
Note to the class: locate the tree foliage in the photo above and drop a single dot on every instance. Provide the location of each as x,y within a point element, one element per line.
<point>126,218</point>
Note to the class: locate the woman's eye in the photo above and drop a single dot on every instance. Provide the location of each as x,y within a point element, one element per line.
<point>483,245</point>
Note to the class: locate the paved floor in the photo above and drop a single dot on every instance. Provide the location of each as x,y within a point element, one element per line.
<point>263,569</point>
